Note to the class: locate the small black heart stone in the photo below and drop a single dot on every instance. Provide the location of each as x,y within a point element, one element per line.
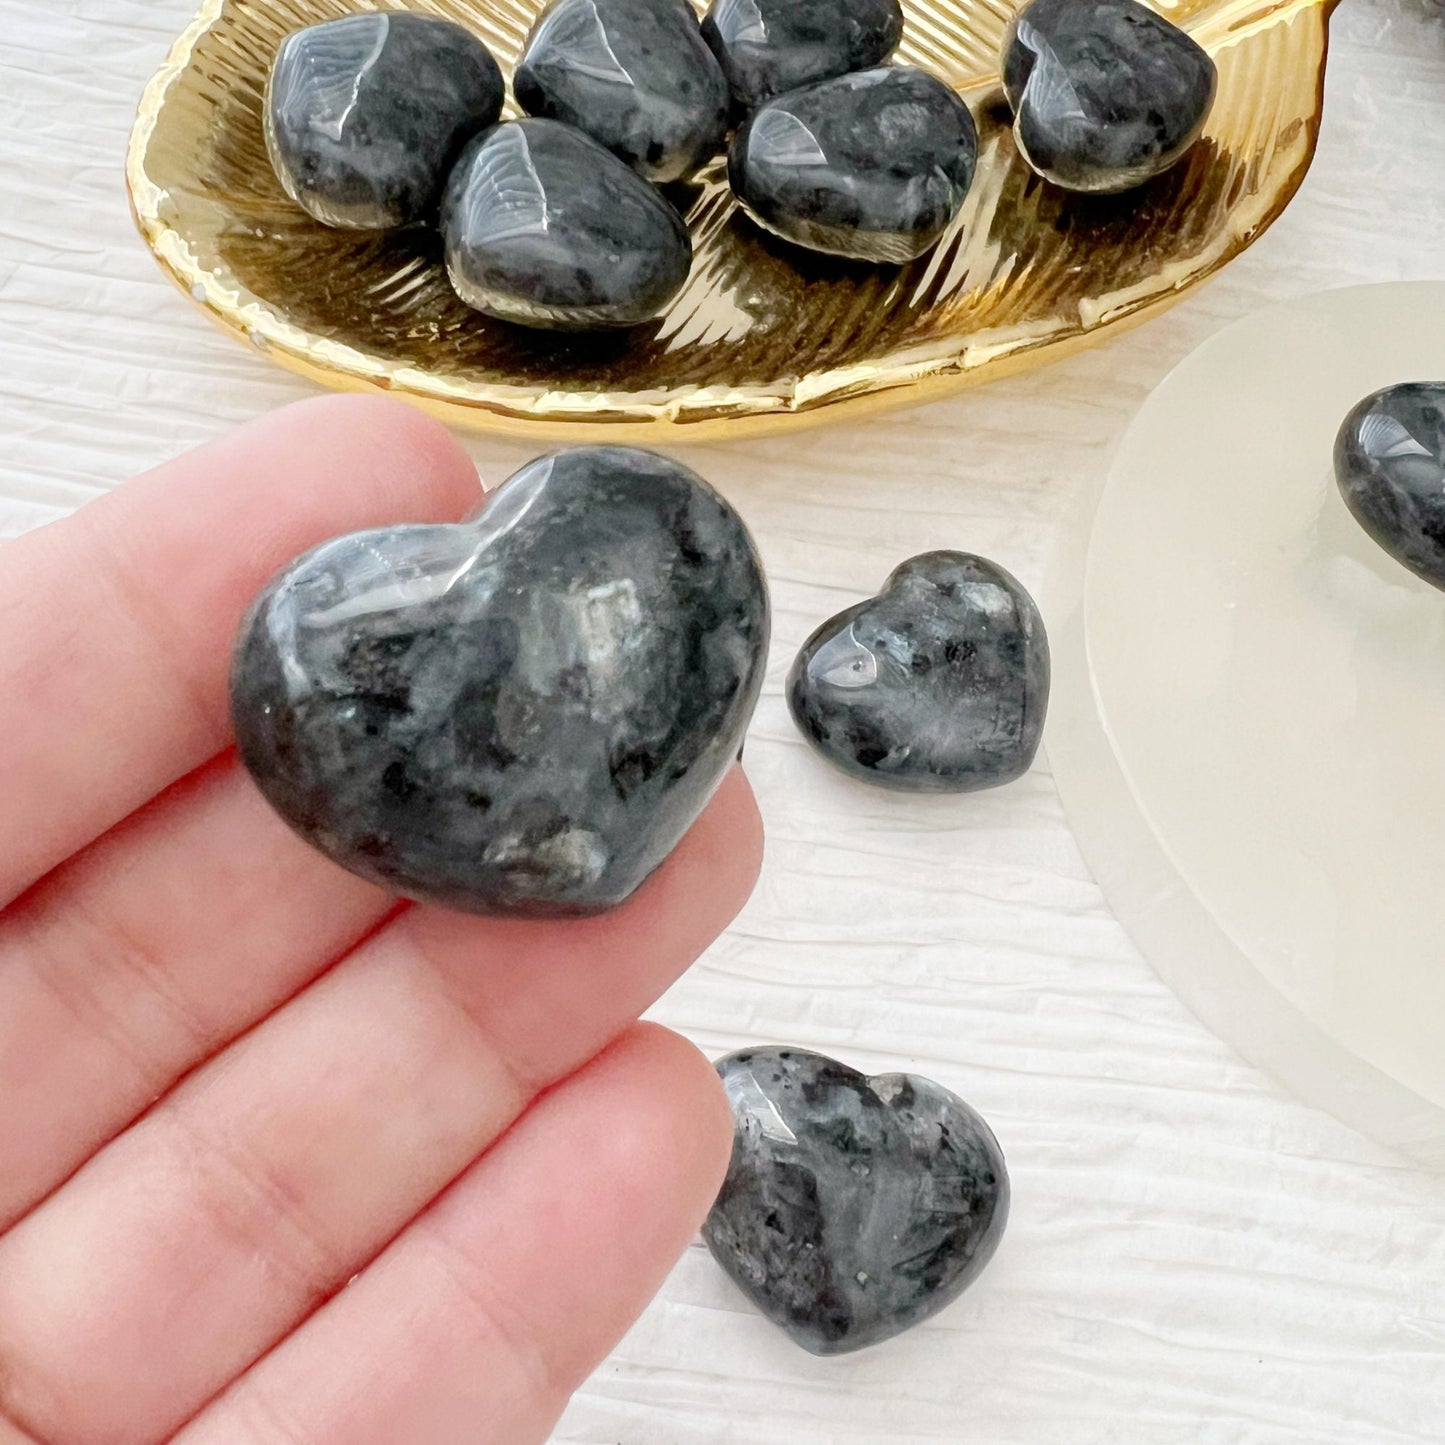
<point>522,713</point>
<point>872,165</point>
<point>769,47</point>
<point>939,684</point>
<point>636,75</point>
<point>1390,466</point>
<point>853,1207</point>
<point>365,115</point>
<point>544,227</point>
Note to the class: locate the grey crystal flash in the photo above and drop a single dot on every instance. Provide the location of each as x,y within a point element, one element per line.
<point>1106,93</point>
<point>544,227</point>
<point>518,714</point>
<point>853,1207</point>
<point>1390,466</point>
<point>636,75</point>
<point>365,115</point>
<point>937,685</point>
<point>873,165</point>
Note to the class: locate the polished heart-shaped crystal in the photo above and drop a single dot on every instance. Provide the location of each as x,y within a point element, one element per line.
<point>636,75</point>
<point>872,165</point>
<point>853,1207</point>
<point>522,713</point>
<point>544,227</point>
<point>1106,93</point>
<point>937,685</point>
<point>365,115</point>
<point>1390,466</point>
<point>768,47</point>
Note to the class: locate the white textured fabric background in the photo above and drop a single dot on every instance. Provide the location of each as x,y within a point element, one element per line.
<point>1193,1255</point>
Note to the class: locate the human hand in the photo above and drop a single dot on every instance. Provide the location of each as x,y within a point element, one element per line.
<point>234,1076</point>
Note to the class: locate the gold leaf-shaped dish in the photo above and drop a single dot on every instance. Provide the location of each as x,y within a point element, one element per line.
<point>762,335</point>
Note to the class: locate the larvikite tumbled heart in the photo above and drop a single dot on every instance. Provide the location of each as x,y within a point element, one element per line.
<point>1390,466</point>
<point>636,75</point>
<point>769,47</point>
<point>937,685</point>
<point>872,165</point>
<point>366,114</point>
<point>1106,93</point>
<point>853,1207</point>
<point>522,713</point>
<point>544,227</point>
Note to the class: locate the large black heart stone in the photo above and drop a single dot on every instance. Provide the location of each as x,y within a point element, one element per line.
<point>522,713</point>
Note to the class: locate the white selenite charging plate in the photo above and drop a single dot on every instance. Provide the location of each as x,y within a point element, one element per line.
<point>1249,723</point>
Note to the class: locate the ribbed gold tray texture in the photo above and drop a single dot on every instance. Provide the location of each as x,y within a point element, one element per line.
<point>763,336</point>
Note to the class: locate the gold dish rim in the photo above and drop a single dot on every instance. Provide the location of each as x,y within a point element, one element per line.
<point>702,413</point>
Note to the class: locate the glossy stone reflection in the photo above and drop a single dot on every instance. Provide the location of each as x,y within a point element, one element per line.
<point>1106,93</point>
<point>518,714</point>
<point>546,228</point>
<point>636,75</point>
<point>853,1207</point>
<point>872,165</point>
<point>365,115</point>
<point>767,47</point>
<point>1390,466</point>
<point>937,685</point>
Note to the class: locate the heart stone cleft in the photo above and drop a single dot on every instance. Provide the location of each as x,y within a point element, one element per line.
<point>853,1207</point>
<point>518,714</point>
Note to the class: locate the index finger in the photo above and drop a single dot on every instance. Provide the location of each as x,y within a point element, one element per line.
<point>119,619</point>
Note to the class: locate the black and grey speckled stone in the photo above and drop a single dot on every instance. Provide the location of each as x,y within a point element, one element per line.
<point>544,227</point>
<point>937,685</point>
<point>636,75</point>
<point>1390,466</point>
<point>366,115</point>
<point>853,1208</point>
<point>1106,93</point>
<point>872,165</point>
<point>768,47</point>
<point>518,714</point>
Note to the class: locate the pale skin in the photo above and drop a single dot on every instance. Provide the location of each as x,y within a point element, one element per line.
<point>235,1077</point>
